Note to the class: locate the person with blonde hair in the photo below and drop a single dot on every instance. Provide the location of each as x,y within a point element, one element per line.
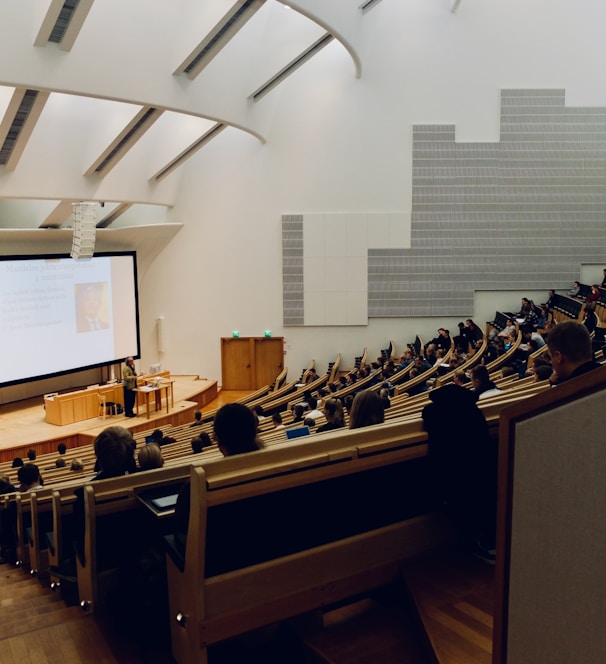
<point>150,457</point>
<point>367,409</point>
<point>77,465</point>
<point>333,411</point>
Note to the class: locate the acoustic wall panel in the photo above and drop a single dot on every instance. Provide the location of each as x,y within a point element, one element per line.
<point>325,265</point>
<point>521,213</point>
<point>292,269</point>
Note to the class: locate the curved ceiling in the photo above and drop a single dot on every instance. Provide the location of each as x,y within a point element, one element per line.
<point>107,100</point>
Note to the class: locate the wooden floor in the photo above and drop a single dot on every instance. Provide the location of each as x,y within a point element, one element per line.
<point>445,617</point>
<point>454,596</point>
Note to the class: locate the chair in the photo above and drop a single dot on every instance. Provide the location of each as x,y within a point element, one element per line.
<point>103,406</point>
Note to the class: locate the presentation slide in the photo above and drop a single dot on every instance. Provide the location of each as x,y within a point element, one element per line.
<point>59,315</point>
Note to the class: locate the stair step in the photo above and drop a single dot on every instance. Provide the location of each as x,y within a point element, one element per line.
<point>27,606</point>
<point>454,596</point>
<point>368,631</point>
<point>38,618</point>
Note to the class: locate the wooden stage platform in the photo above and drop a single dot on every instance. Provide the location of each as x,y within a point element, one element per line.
<point>22,424</point>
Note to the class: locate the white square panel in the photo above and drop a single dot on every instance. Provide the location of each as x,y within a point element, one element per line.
<point>399,230</point>
<point>357,308</point>
<point>356,274</point>
<point>357,235</point>
<point>378,230</point>
<point>314,275</point>
<point>336,273</point>
<point>337,308</point>
<point>335,235</point>
<point>315,308</point>
<point>313,235</point>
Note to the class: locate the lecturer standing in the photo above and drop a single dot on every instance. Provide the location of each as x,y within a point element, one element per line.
<point>129,383</point>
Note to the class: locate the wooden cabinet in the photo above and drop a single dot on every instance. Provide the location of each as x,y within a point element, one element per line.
<point>248,363</point>
<point>80,405</point>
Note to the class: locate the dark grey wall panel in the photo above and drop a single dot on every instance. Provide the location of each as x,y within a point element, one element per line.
<point>292,269</point>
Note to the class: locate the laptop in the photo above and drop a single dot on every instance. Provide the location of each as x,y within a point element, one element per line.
<point>297,433</point>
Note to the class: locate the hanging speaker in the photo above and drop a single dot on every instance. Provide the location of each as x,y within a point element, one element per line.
<point>160,332</point>
<point>84,216</point>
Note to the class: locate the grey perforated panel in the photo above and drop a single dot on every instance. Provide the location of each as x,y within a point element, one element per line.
<point>524,212</point>
<point>292,269</point>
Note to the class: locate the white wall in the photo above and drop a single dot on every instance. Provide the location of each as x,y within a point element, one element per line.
<point>340,144</point>
<point>334,143</point>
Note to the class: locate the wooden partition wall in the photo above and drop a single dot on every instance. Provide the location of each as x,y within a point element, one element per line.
<point>551,547</point>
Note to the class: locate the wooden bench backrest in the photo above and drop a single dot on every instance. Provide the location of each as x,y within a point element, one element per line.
<point>333,535</point>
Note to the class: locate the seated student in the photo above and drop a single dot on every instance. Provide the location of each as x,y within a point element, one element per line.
<point>508,329</point>
<point>197,419</point>
<point>571,351</point>
<point>5,485</point>
<point>77,465</point>
<point>442,341</point>
<point>542,372</point>
<point>150,456</point>
<point>367,409</point>
<point>593,297</point>
<point>575,290</point>
<point>17,462</point>
<point>482,385</point>
<point>472,331</point>
<point>460,378</point>
<point>61,448</point>
<point>384,394</point>
<point>276,418</point>
<point>259,412</point>
<point>333,411</point>
<point>160,438</point>
<point>29,477</point>
<point>531,340</point>
<point>313,412</point>
<point>235,428</point>
<point>298,412</point>
<point>311,376</point>
<point>421,365</point>
<point>550,299</point>
<point>114,453</point>
<point>31,455</point>
<point>464,462</point>
<point>418,388</point>
<point>200,442</point>
<point>431,353</point>
<point>543,317</point>
<point>8,525</point>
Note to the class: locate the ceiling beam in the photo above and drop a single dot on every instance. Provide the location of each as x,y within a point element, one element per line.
<point>62,23</point>
<point>60,215</point>
<point>18,122</point>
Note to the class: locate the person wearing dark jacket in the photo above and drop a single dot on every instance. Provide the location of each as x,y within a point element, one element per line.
<point>463,459</point>
<point>570,347</point>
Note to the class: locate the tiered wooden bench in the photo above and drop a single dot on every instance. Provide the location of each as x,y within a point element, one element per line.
<point>291,528</point>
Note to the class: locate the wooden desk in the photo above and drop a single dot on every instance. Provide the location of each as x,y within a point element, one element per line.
<point>156,390</point>
<point>80,405</point>
<point>146,379</point>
